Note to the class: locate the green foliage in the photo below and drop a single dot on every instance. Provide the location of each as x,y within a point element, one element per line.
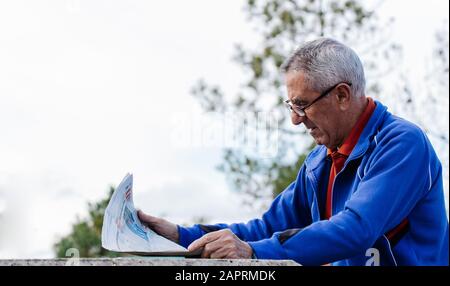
<point>287,174</point>
<point>86,234</point>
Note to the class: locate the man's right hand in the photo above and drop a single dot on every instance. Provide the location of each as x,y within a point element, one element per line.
<point>160,226</point>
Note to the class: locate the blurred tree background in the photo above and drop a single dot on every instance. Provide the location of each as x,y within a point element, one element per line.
<point>86,233</point>
<point>281,26</point>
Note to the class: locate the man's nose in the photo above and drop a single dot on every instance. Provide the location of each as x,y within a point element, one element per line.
<point>297,119</point>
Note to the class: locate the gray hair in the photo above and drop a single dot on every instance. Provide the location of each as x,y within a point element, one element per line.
<point>326,62</point>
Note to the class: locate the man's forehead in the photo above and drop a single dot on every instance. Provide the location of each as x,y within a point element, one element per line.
<point>295,78</point>
<point>297,87</point>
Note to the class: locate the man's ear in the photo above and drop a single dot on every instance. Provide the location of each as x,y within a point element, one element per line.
<point>343,95</point>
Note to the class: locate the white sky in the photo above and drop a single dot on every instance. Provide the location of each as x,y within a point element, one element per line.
<point>89,91</point>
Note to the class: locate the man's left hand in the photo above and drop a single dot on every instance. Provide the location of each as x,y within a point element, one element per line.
<point>222,244</point>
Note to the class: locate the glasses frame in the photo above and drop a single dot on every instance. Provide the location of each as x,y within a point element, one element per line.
<point>300,111</point>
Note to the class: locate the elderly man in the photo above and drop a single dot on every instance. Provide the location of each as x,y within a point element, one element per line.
<point>370,193</point>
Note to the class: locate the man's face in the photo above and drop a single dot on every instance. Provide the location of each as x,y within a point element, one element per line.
<point>322,118</point>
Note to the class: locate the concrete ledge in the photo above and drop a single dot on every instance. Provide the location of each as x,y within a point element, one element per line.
<point>148,261</point>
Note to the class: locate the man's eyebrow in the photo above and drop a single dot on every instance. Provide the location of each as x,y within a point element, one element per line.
<point>299,102</point>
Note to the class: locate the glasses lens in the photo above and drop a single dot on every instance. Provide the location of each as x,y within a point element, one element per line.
<point>288,105</point>
<point>292,108</point>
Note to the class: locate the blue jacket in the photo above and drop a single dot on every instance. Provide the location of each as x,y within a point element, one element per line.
<point>392,173</point>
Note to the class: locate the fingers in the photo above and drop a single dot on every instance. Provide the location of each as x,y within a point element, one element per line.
<point>217,244</point>
<point>225,244</point>
<point>146,218</point>
<point>160,226</point>
<point>220,253</point>
<point>211,248</point>
<point>202,241</point>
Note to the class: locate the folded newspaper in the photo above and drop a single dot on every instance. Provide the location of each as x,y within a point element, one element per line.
<point>122,230</point>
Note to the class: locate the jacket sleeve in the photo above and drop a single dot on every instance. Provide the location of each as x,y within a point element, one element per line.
<point>395,180</point>
<point>288,210</point>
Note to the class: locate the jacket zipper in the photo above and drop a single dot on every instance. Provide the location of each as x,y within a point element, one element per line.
<point>335,177</point>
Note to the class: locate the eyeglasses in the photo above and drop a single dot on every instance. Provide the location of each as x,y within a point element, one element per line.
<point>300,111</point>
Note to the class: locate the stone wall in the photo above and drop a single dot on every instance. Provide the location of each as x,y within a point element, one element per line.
<point>145,261</point>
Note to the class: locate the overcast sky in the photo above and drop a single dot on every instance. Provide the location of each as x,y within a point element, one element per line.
<point>91,90</point>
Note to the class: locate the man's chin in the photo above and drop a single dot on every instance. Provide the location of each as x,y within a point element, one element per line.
<point>319,140</point>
